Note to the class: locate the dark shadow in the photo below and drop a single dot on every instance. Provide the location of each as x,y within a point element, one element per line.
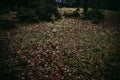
<point>111,71</point>
<point>7,24</point>
<point>7,71</point>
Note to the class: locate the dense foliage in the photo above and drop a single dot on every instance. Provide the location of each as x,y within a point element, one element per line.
<point>7,24</point>
<point>95,15</point>
<point>45,12</point>
<point>27,15</point>
<point>40,13</point>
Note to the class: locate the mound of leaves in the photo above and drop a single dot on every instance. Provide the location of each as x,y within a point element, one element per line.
<point>73,14</point>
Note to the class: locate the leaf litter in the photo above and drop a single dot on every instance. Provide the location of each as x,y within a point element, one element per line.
<point>74,52</point>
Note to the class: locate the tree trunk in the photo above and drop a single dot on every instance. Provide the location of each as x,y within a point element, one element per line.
<point>78,4</point>
<point>85,6</point>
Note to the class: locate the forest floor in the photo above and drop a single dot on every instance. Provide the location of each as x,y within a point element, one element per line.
<point>78,50</point>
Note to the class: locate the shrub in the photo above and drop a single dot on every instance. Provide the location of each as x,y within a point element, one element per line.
<point>27,15</point>
<point>39,13</point>
<point>45,12</point>
<point>67,15</point>
<point>95,15</point>
<point>7,24</point>
<point>75,14</point>
<point>4,10</point>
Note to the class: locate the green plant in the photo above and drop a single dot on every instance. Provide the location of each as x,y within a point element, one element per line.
<point>27,15</point>
<point>45,12</point>
<point>7,24</point>
<point>67,15</point>
<point>75,14</point>
<point>95,15</point>
<point>38,13</point>
<point>4,10</point>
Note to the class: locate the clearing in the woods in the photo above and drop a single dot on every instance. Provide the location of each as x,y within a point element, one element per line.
<point>77,50</point>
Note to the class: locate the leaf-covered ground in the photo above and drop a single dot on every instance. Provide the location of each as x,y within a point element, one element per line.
<point>76,51</point>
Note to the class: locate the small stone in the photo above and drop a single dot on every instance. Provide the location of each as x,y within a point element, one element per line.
<point>54,52</point>
<point>54,30</point>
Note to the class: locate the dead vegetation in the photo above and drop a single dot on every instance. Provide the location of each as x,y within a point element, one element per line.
<point>75,52</point>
